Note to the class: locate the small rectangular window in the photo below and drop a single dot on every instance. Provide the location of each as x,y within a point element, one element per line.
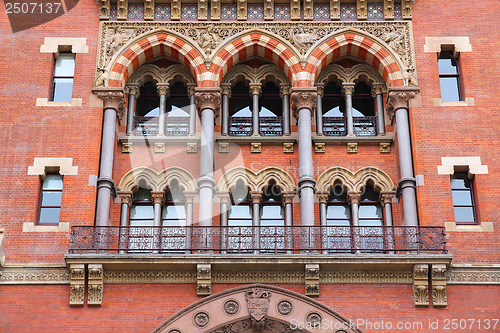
<point>64,72</point>
<point>51,198</point>
<point>463,199</point>
<point>449,78</point>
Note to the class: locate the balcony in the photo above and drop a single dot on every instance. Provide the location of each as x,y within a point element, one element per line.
<point>243,126</point>
<point>330,240</point>
<point>337,126</point>
<point>149,126</point>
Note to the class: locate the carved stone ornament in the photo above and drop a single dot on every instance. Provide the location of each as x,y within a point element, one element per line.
<point>352,147</point>
<point>204,279</point>
<point>77,285</point>
<point>95,285</point>
<point>284,307</point>
<point>303,98</point>
<point>385,148</point>
<point>398,97</point>
<point>354,197</point>
<point>438,275</point>
<point>208,40</point>
<point>288,147</point>
<point>314,320</point>
<point>149,10</point>
<point>231,307</point>
<point>104,9</point>
<point>174,331</point>
<point>223,147</point>
<point>312,279</point>
<point>208,98</point>
<point>112,98</point>
<point>201,319</point>
<point>56,275</point>
<point>319,147</point>
<point>258,304</point>
<point>421,285</point>
<point>303,38</point>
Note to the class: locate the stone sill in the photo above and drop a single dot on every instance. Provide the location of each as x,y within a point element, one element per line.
<point>75,102</point>
<point>481,227</point>
<point>256,138</point>
<point>31,227</point>
<point>122,138</point>
<point>469,101</point>
<point>388,138</point>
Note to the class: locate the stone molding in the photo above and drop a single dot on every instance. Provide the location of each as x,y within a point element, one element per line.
<point>398,98</point>
<point>460,43</point>
<point>2,257</point>
<point>75,102</point>
<point>255,76</point>
<point>163,76</point>
<point>472,163</point>
<point>32,227</point>
<point>64,165</point>
<point>355,181</point>
<point>208,98</point>
<point>303,98</point>
<point>149,276</point>
<point>256,181</point>
<point>348,76</point>
<point>34,275</point>
<point>52,44</point>
<point>472,274</point>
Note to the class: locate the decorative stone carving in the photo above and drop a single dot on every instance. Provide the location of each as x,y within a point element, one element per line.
<point>284,307</point>
<point>421,285</point>
<point>410,78</point>
<point>293,277</point>
<point>59,275</point>
<point>348,88</point>
<point>127,147</point>
<point>288,197</point>
<point>157,197</point>
<point>208,98</point>
<point>312,280</point>
<point>159,147</point>
<point>258,304</point>
<point>215,10</point>
<point>202,10</point>
<point>255,89</point>
<point>398,97</point>
<point>288,147</point>
<point>223,147</point>
<point>438,275</point>
<point>208,40</point>
<point>314,320</point>
<point>256,197</point>
<point>473,275</point>
<point>163,89</point>
<point>204,279</point>
<point>386,197</point>
<point>322,197</point>
<point>406,9</point>
<point>112,98</point>
<point>335,9</point>
<point>362,10</point>
<point>255,147</point>
<point>354,197</point>
<point>385,148</point>
<point>104,7</point>
<point>319,147</point>
<point>231,307</point>
<point>126,197</point>
<point>122,9</point>
<point>95,285</point>
<point>395,39</point>
<point>352,147</point>
<point>192,147</point>
<point>389,9</point>
<point>303,38</point>
<point>242,10</point>
<point>378,89</point>
<point>285,89</point>
<point>308,10</point>
<point>149,10</point>
<point>201,319</point>
<point>174,331</point>
<point>377,277</point>
<point>77,285</point>
<point>303,98</point>
<point>295,10</point>
<point>117,37</point>
<point>268,10</point>
<point>175,10</point>
<point>127,277</point>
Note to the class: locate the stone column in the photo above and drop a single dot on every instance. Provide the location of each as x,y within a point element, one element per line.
<point>163,91</point>
<point>226,94</point>
<point>225,203</point>
<point>126,199</point>
<point>113,103</point>
<point>354,197</point>
<point>319,109</point>
<point>285,95</point>
<point>208,102</point>
<point>348,91</point>
<point>303,102</point>
<point>157,197</point>
<point>287,198</point>
<point>256,197</point>
<point>323,199</point>
<point>189,197</point>
<point>397,105</point>
<point>192,108</point>
<point>132,89</point>
<point>255,91</point>
<point>378,93</point>
<point>386,201</point>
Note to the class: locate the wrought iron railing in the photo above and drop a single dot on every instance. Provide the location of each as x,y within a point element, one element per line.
<point>176,126</point>
<point>145,125</point>
<point>277,240</point>
<point>271,126</point>
<point>365,126</point>
<point>334,126</point>
<point>240,126</point>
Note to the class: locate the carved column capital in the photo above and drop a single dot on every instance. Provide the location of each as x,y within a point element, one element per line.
<point>321,88</point>
<point>126,197</point>
<point>208,98</point>
<point>322,197</point>
<point>163,89</point>
<point>255,89</point>
<point>132,89</point>
<point>398,97</point>
<point>378,89</point>
<point>226,89</point>
<point>112,97</point>
<point>287,197</point>
<point>224,197</point>
<point>386,197</point>
<point>348,88</point>
<point>354,197</point>
<point>191,87</point>
<point>190,196</point>
<point>157,197</point>
<point>303,98</point>
<point>256,197</point>
<point>285,89</point>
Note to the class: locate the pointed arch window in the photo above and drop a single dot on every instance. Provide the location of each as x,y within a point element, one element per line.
<point>271,111</point>
<point>178,104</point>
<point>240,235</point>
<point>363,109</point>
<point>333,106</point>
<point>142,210</point>
<point>338,220</point>
<point>174,210</point>
<point>148,110</point>
<point>240,112</point>
<point>371,220</point>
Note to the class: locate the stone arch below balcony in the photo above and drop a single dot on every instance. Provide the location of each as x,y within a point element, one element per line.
<point>256,181</point>
<point>157,181</point>
<point>256,308</point>
<point>355,181</point>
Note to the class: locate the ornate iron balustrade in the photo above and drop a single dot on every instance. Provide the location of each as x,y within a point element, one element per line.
<point>240,126</point>
<point>176,126</point>
<point>266,240</point>
<point>271,126</point>
<point>145,125</point>
<point>365,126</point>
<point>334,126</point>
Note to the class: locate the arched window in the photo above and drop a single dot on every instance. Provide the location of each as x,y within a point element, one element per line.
<point>148,110</point>
<point>371,219</point>
<point>240,112</point>
<point>272,220</point>
<point>174,210</point>
<point>240,236</point>
<point>271,111</point>
<point>449,78</point>
<point>142,210</point>
<point>177,120</point>
<point>333,106</point>
<point>363,109</point>
<point>338,220</point>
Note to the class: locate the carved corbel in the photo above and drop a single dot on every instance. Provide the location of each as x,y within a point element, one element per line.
<point>95,285</point>
<point>104,6</point>
<point>215,10</point>
<point>268,10</point>
<point>255,89</point>
<point>406,9</point>
<point>77,285</point>
<point>335,9</point>
<point>208,98</point>
<point>362,10</point>
<point>308,10</point>
<point>398,97</point>
<point>149,10</point>
<point>295,10</point>
<point>202,10</point>
<point>303,98</point>
<point>122,10</point>
<point>389,9</point>
<point>439,297</point>
<point>242,10</point>
<point>312,280</point>
<point>175,10</point>
<point>421,285</point>
<point>204,279</point>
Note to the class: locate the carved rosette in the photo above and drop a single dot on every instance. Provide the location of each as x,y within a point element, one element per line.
<point>284,307</point>
<point>231,307</point>
<point>314,319</point>
<point>201,319</point>
<point>303,98</point>
<point>208,98</point>
<point>398,97</point>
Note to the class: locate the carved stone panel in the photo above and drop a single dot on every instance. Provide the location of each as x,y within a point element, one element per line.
<point>149,10</point>
<point>335,9</point>
<point>288,147</point>
<point>352,147</point>
<point>122,9</point>
<point>95,285</point>
<point>319,147</point>
<point>312,280</point>
<point>256,147</point>
<point>389,9</point>
<point>421,285</point>
<point>362,10</point>
<point>204,279</point>
<point>104,7</point>
<point>258,304</point>
<point>175,10</point>
<point>242,10</point>
<point>439,297</point>
<point>215,10</point>
<point>77,285</point>
<point>268,10</point>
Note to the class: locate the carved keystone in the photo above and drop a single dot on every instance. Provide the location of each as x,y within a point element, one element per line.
<point>439,298</point>
<point>312,280</point>
<point>77,285</point>
<point>421,285</point>
<point>95,285</point>
<point>204,279</point>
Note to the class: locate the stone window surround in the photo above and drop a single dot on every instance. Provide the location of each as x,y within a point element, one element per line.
<point>457,44</point>
<point>54,45</point>
<point>40,166</point>
<point>473,166</point>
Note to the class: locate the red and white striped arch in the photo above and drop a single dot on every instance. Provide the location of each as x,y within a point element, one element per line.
<point>149,46</point>
<point>357,44</point>
<point>250,43</point>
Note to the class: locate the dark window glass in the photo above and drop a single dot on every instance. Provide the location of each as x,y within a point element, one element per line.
<point>449,78</point>
<point>363,104</point>
<point>272,213</point>
<point>174,211</point>
<point>463,202</point>
<point>64,71</point>
<point>371,219</point>
<point>240,102</point>
<point>338,220</point>
<point>142,212</point>
<point>51,198</point>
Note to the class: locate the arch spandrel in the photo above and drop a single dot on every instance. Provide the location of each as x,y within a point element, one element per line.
<point>355,181</point>
<point>256,181</point>
<point>220,312</point>
<point>157,181</point>
<point>161,75</point>
<point>256,75</point>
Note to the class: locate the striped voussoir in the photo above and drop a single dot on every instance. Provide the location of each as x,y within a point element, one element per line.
<point>149,47</point>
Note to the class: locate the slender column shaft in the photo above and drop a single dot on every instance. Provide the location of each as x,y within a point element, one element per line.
<point>289,215</point>
<point>306,168</point>
<point>349,116</point>
<point>124,214</point>
<point>161,116</point>
<point>355,214</point>
<point>256,215</point>
<point>189,214</point>
<point>319,116</point>
<point>255,114</point>
<point>223,214</point>
<point>225,114</point>
<point>286,114</point>
<point>130,114</point>
<point>192,115</point>
<point>322,214</point>
<point>388,214</point>
<point>380,114</point>
<point>206,167</point>
<point>157,215</point>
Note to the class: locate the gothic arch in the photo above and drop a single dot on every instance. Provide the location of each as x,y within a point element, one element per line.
<point>157,181</point>
<point>237,311</point>
<point>357,180</point>
<point>359,72</point>
<point>151,45</point>
<point>361,45</point>
<point>256,181</point>
<point>161,75</point>
<point>256,75</point>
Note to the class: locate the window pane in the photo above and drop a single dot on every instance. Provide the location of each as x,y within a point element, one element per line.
<point>445,66</point>
<point>464,214</point>
<point>462,198</point>
<point>272,212</point>
<point>63,89</point>
<point>51,198</point>
<point>240,212</point>
<point>65,65</point>
<point>449,89</point>
<point>49,215</point>
<point>174,212</point>
<point>460,181</point>
<point>338,212</point>
<point>368,223</point>
<point>141,223</point>
<point>240,223</point>
<point>141,212</point>
<point>53,182</point>
<point>370,211</point>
